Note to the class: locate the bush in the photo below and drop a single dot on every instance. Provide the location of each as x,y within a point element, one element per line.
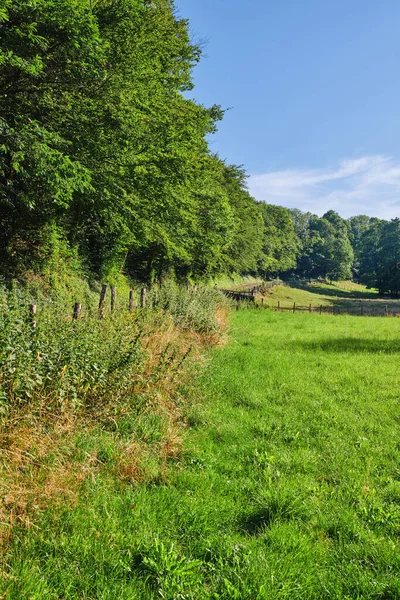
<point>64,362</point>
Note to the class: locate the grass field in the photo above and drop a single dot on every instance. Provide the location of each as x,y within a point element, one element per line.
<point>288,485</point>
<point>341,296</point>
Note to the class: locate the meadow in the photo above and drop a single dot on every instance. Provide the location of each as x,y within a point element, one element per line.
<point>340,297</point>
<point>287,485</point>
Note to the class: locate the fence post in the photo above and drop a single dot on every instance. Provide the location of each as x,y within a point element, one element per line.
<point>113,298</point>
<point>155,298</point>
<point>143,294</point>
<point>279,306</point>
<point>309,308</point>
<point>320,309</point>
<point>32,315</point>
<point>103,295</point>
<point>386,310</point>
<point>131,301</point>
<point>76,311</point>
<point>362,309</point>
<point>294,306</point>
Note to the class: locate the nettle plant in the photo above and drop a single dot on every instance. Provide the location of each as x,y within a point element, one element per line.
<point>63,361</point>
<point>56,361</point>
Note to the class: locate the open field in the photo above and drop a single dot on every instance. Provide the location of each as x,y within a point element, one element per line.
<point>288,486</point>
<point>343,296</point>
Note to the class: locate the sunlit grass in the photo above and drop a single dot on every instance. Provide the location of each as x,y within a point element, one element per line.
<point>342,296</point>
<point>288,486</point>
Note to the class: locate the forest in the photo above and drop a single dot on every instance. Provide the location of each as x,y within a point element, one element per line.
<point>106,163</point>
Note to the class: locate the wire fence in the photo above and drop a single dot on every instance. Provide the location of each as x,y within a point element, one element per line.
<point>360,309</point>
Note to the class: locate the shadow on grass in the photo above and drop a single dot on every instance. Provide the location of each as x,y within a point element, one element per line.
<point>283,508</point>
<point>354,345</point>
<point>255,523</point>
<point>336,292</point>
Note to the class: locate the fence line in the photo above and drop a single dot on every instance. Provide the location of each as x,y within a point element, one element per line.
<point>242,298</point>
<point>77,306</point>
<point>250,294</point>
<point>356,310</point>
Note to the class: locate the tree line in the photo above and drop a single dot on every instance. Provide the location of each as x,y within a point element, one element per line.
<point>105,161</point>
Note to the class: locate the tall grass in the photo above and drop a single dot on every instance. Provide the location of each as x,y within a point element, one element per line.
<point>65,362</point>
<point>81,396</point>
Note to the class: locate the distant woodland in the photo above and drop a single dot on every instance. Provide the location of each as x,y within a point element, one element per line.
<point>105,162</point>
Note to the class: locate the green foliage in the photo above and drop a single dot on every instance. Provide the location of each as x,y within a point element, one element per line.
<point>280,244</point>
<point>76,363</point>
<point>326,250</point>
<point>172,576</point>
<point>245,243</point>
<point>98,139</point>
<point>378,252</point>
<point>193,309</point>
<point>63,362</point>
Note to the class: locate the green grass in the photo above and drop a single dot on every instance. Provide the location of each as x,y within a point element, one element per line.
<point>288,486</point>
<point>319,293</point>
<point>234,280</point>
<point>341,296</point>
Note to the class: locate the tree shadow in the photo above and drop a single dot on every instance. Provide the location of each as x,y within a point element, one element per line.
<point>335,292</point>
<point>354,345</point>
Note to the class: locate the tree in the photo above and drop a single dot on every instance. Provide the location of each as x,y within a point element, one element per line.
<point>98,140</point>
<point>380,256</point>
<point>358,226</point>
<point>281,244</point>
<point>326,249</point>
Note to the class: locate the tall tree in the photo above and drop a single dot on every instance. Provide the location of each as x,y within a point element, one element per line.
<point>326,250</point>
<point>281,244</point>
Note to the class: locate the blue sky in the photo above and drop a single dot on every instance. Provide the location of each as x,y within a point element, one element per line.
<point>314,92</point>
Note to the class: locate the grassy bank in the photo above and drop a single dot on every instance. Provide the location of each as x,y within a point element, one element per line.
<point>341,296</point>
<point>287,485</point>
<point>87,398</point>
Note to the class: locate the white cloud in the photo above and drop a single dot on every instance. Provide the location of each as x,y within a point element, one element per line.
<point>368,185</point>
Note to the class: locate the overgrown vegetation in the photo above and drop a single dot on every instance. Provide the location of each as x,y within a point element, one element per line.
<point>77,396</point>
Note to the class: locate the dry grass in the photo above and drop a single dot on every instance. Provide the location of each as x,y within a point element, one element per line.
<point>37,469</point>
<point>43,461</point>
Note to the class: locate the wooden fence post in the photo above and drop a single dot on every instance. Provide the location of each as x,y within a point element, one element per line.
<point>155,298</point>
<point>386,310</point>
<point>102,302</point>
<point>32,315</point>
<point>131,301</point>
<point>76,311</point>
<point>279,306</point>
<point>294,306</point>
<point>320,309</point>
<point>143,294</point>
<point>309,308</point>
<point>113,298</point>
<point>362,309</point>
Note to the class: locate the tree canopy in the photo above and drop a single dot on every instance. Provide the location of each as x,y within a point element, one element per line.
<point>101,150</point>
